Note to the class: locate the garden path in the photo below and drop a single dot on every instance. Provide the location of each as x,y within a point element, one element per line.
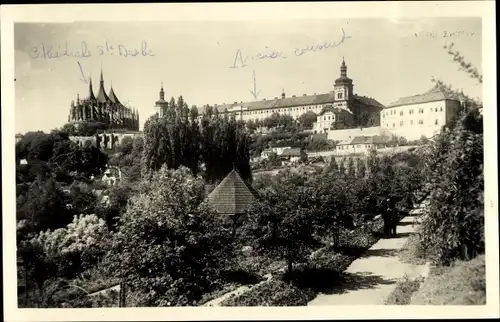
<point>371,278</point>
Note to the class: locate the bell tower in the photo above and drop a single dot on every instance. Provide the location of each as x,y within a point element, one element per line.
<point>343,89</point>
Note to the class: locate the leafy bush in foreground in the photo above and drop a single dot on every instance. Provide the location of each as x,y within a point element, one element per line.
<point>272,293</point>
<point>462,284</point>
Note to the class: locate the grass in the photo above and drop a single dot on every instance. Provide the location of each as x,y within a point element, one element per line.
<point>463,283</point>
<point>412,252</point>
<point>404,290</point>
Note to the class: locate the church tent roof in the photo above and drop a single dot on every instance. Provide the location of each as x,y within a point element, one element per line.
<point>232,196</point>
<point>112,96</point>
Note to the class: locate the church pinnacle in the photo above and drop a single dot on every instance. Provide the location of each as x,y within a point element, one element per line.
<point>343,68</point>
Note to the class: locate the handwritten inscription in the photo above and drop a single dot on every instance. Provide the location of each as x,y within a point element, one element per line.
<point>241,60</point>
<point>82,78</point>
<point>445,34</point>
<point>83,50</point>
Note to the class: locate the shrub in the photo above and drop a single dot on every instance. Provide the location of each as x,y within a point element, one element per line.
<point>109,298</point>
<point>272,293</point>
<point>326,259</point>
<point>462,284</point>
<point>403,291</point>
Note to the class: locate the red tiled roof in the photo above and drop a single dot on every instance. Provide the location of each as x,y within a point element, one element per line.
<point>232,196</point>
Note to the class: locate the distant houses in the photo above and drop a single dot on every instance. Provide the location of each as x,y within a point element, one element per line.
<point>362,144</point>
<point>291,155</point>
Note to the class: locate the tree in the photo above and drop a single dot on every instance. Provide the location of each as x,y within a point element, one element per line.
<point>280,226</point>
<point>453,227</point>
<point>361,168</point>
<point>332,167</point>
<point>342,169</point>
<point>307,119</point>
<point>126,145</point>
<point>220,143</point>
<point>43,206</point>
<point>170,246</point>
<point>351,170</point>
<point>63,252</point>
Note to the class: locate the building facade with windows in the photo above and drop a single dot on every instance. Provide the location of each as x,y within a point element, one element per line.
<point>419,115</point>
<point>363,109</point>
<point>362,144</point>
<point>332,118</point>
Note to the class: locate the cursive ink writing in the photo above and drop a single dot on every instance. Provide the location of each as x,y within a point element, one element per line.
<point>241,61</point>
<point>45,51</point>
<point>53,52</point>
<point>319,47</point>
<point>82,74</point>
<point>444,34</point>
<point>238,58</point>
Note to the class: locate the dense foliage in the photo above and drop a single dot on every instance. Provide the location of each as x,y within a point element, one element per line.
<point>453,227</point>
<point>214,145</point>
<point>297,210</point>
<point>169,245</point>
<point>272,293</point>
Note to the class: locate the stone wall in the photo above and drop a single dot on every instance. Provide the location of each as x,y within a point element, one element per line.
<point>118,137</point>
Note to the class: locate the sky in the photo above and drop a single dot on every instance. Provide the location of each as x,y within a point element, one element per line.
<point>386,58</point>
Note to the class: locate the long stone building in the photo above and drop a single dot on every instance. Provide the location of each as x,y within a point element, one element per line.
<point>104,108</point>
<point>352,108</point>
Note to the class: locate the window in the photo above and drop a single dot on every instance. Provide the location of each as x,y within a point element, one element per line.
<point>401,123</point>
<point>436,122</point>
<point>421,110</point>
<point>393,124</point>
<point>436,109</point>
<point>339,95</point>
<point>411,122</point>
<point>401,113</point>
<point>411,111</point>
<point>431,109</point>
<point>421,122</point>
<point>441,109</point>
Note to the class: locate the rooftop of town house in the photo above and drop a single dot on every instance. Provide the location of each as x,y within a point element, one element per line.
<point>376,139</point>
<point>291,152</point>
<point>434,94</point>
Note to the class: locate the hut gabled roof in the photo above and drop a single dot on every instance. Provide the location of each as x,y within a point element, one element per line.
<point>232,196</point>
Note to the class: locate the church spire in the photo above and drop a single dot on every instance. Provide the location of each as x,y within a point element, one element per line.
<point>343,68</point>
<point>101,95</point>
<point>91,92</point>
<point>162,93</point>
